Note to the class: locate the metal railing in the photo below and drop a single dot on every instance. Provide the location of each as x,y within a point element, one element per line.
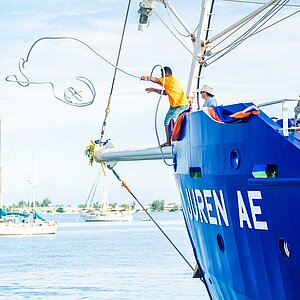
<point>285,116</point>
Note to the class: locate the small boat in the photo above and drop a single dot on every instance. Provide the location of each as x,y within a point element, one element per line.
<point>13,223</point>
<point>105,213</point>
<point>108,215</point>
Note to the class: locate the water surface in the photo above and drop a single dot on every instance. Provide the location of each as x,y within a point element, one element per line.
<point>101,261</point>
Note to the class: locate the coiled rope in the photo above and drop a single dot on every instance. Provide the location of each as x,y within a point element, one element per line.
<point>71,95</point>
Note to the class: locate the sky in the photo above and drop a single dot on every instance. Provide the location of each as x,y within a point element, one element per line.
<point>43,139</point>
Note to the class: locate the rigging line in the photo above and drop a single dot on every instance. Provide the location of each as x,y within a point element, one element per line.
<point>241,38</point>
<point>256,2</point>
<point>288,16</point>
<point>277,8</point>
<point>107,110</point>
<point>182,34</point>
<point>254,29</point>
<point>92,188</point>
<point>194,55</point>
<point>234,31</point>
<point>149,215</point>
<point>156,112</point>
<point>95,189</point>
<point>20,170</point>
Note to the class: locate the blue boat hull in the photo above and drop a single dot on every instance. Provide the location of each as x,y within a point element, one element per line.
<point>239,185</point>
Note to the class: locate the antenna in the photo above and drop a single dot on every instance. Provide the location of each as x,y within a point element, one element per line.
<point>146,7</point>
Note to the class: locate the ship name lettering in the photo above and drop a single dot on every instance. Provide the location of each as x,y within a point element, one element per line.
<point>207,206</point>
<point>255,210</point>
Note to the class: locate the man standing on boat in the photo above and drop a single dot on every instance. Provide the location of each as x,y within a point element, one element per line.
<point>177,98</point>
<point>207,94</point>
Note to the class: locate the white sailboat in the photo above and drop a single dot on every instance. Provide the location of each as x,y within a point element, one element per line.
<point>106,213</point>
<point>14,223</point>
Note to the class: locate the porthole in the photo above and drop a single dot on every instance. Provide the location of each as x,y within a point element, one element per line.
<point>220,241</point>
<point>284,249</point>
<point>235,158</point>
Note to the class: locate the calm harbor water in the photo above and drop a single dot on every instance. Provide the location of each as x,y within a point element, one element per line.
<point>101,261</point>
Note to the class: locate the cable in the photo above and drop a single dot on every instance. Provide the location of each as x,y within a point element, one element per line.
<point>254,29</point>
<point>157,225</point>
<point>156,112</point>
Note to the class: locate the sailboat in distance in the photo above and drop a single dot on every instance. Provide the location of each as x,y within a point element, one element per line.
<point>105,213</point>
<point>18,224</point>
<point>237,170</point>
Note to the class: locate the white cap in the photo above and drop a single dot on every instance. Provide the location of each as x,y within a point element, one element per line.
<point>207,89</point>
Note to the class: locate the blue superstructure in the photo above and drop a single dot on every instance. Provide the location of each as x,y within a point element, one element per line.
<point>239,185</point>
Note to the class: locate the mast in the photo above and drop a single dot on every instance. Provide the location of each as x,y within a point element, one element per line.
<point>199,46</point>
<point>33,184</point>
<point>1,185</point>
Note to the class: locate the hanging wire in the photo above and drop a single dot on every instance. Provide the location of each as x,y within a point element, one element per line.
<point>156,112</point>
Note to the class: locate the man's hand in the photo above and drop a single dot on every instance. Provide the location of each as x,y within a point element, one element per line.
<point>150,90</point>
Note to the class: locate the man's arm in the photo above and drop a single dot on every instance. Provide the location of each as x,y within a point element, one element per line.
<point>158,91</point>
<point>153,79</point>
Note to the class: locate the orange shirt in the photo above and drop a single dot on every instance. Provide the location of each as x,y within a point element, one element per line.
<point>174,91</point>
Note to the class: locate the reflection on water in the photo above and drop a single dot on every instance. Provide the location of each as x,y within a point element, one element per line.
<point>101,261</point>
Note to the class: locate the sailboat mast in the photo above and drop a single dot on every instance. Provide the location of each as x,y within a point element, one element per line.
<point>33,184</point>
<point>1,185</point>
<point>199,47</point>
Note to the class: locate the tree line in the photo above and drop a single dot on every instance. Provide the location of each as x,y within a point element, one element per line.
<point>156,205</point>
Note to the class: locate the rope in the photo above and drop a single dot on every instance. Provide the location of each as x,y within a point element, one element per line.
<point>107,110</point>
<point>157,225</point>
<point>71,95</point>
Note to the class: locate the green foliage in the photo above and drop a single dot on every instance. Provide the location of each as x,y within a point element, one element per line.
<point>114,205</point>
<point>158,205</point>
<point>176,207</point>
<point>22,204</point>
<point>89,152</point>
<point>46,202</point>
<point>60,209</point>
